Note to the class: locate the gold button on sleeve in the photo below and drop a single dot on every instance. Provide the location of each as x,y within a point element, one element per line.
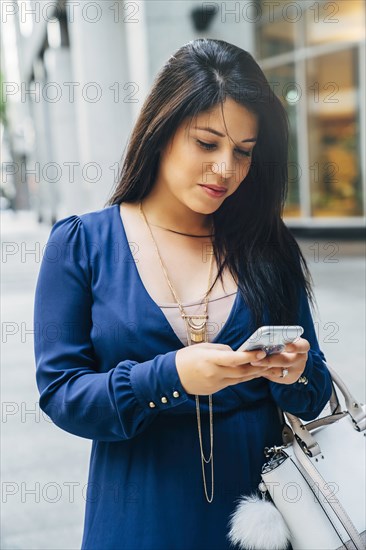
<point>176,393</point>
<point>164,400</point>
<point>152,404</point>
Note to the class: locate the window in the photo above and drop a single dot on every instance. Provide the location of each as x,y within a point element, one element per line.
<point>281,80</point>
<point>334,134</point>
<point>311,52</point>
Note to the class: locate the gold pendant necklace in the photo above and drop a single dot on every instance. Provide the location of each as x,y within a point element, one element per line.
<point>196,328</point>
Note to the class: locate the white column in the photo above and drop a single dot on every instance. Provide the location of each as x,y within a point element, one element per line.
<point>44,193</point>
<point>103,95</point>
<point>62,134</point>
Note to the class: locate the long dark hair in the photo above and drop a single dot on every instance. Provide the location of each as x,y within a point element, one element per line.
<point>251,238</point>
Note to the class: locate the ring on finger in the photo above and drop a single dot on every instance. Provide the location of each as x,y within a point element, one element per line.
<point>284,373</point>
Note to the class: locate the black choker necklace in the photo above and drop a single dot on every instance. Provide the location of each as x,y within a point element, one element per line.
<point>178,232</point>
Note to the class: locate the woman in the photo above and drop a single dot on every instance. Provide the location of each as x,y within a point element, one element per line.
<point>136,355</point>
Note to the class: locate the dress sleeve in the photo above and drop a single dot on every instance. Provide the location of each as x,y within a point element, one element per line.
<point>107,406</point>
<point>306,400</point>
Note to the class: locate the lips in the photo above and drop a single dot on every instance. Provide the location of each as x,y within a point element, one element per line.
<point>214,187</point>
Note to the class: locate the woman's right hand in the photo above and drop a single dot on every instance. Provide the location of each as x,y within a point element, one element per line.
<point>206,368</point>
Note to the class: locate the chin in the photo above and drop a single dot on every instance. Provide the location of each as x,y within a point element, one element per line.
<point>205,209</point>
<point>210,208</point>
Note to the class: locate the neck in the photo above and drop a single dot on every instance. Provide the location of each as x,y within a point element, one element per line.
<point>180,220</point>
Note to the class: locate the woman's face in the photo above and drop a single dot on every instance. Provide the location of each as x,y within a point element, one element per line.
<point>197,156</point>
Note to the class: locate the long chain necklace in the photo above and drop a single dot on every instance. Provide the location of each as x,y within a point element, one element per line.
<point>196,328</point>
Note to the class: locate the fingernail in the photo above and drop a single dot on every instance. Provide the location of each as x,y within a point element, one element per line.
<point>261,355</point>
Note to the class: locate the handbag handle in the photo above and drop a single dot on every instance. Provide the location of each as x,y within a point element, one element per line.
<point>302,431</point>
<point>353,406</point>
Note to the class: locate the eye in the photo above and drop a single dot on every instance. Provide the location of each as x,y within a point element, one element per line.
<point>244,153</point>
<point>211,146</point>
<point>208,146</point>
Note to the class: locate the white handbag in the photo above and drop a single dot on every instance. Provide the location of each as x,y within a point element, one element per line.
<point>316,481</point>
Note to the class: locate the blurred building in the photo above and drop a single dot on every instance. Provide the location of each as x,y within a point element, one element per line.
<point>314,54</point>
<point>76,74</point>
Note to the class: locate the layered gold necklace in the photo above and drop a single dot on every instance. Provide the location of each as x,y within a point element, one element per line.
<point>196,328</point>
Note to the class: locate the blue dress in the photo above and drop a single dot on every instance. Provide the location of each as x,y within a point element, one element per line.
<point>104,351</point>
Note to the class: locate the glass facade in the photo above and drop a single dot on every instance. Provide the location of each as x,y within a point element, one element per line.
<point>275,34</point>
<point>340,21</point>
<point>312,53</point>
<point>281,80</point>
<point>334,134</point>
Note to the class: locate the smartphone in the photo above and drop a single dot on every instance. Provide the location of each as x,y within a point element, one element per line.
<point>272,338</point>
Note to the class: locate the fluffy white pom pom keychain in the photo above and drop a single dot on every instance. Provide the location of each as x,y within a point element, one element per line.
<point>256,524</point>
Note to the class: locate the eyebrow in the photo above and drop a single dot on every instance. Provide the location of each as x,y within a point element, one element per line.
<point>207,129</point>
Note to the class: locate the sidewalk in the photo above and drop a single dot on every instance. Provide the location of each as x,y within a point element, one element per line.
<point>44,469</point>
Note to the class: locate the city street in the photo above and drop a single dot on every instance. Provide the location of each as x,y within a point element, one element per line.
<point>44,469</point>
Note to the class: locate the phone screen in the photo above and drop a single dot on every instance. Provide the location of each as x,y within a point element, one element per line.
<point>272,339</point>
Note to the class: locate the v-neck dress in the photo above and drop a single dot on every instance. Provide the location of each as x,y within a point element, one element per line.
<point>105,370</point>
<point>218,309</point>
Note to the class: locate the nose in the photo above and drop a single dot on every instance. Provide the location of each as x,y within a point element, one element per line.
<point>227,167</point>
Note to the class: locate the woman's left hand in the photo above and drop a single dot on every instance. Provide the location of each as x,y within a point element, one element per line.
<point>293,359</point>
